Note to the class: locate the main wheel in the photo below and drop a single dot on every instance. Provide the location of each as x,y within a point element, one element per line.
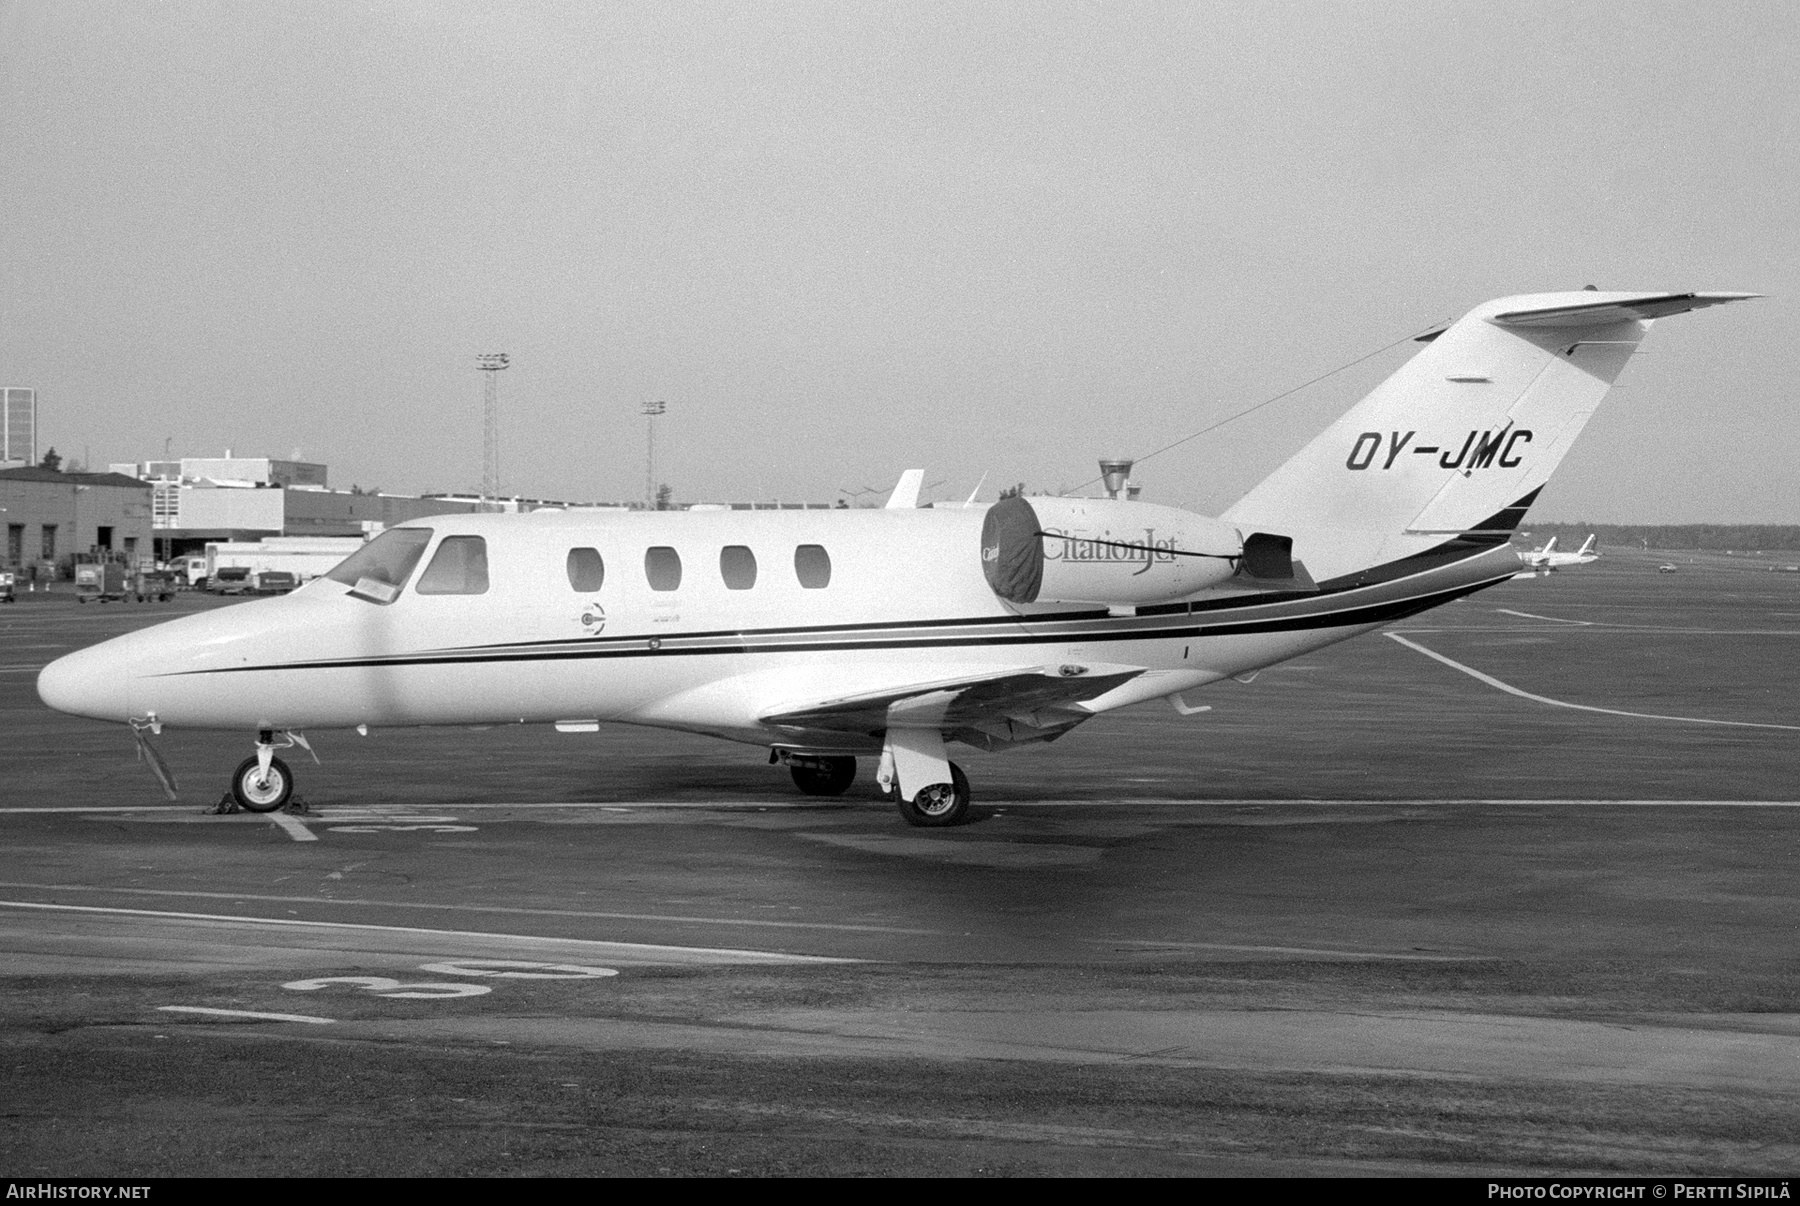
<point>827,777</point>
<point>267,795</point>
<point>939,804</point>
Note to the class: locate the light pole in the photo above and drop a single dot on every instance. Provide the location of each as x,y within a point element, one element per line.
<point>650,410</point>
<point>490,363</point>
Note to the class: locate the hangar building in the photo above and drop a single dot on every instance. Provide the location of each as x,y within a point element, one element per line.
<point>51,517</point>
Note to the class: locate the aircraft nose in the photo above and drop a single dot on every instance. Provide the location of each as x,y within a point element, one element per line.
<point>86,683</point>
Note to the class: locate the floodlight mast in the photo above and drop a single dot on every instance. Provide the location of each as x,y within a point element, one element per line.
<point>650,410</point>
<point>490,363</point>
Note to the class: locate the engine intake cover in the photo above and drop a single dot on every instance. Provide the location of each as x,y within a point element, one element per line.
<point>1097,550</point>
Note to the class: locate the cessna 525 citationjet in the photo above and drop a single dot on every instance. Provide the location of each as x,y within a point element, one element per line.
<point>824,636</point>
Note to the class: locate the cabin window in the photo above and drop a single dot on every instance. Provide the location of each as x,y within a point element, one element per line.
<point>662,566</point>
<point>458,568</point>
<point>812,565</point>
<point>737,565</point>
<point>587,573</point>
<point>379,569</point>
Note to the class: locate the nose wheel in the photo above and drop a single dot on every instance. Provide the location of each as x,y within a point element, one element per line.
<point>257,789</point>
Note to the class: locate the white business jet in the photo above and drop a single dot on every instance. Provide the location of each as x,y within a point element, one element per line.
<point>825,636</point>
<point>1547,560</point>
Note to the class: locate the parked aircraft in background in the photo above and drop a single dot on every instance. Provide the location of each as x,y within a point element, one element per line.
<point>1547,560</point>
<point>826,636</point>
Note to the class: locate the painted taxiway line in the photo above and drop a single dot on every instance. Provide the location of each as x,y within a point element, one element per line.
<point>505,910</point>
<point>292,827</point>
<point>325,817</point>
<point>1136,801</point>
<point>598,946</point>
<point>189,808</point>
<point>246,1013</point>
<point>1424,802</point>
<point>1152,945</point>
<point>338,812</point>
<point>1507,611</point>
<point>1491,681</point>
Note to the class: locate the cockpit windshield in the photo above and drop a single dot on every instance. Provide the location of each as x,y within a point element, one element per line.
<point>379,569</point>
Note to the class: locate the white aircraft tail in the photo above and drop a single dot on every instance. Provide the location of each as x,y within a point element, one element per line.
<point>1549,547</point>
<point>1587,547</point>
<point>1461,439</point>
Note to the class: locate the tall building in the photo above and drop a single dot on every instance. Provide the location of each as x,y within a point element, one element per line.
<point>18,426</point>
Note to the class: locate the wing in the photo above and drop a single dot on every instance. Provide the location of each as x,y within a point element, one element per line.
<point>987,711</point>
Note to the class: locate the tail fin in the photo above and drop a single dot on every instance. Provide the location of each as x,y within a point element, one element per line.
<point>1549,547</point>
<point>1461,439</point>
<point>1586,547</point>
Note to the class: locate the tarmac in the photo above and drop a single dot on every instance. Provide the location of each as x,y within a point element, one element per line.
<point>1510,894</point>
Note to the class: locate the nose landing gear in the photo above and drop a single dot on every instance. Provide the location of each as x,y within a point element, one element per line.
<point>260,788</point>
<point>263,782</point>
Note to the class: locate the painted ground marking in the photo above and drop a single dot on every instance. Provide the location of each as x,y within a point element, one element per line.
<point>1507,611</point>
<point>404,828</point>
<point>518,969</point>
<point>1323,952</point>
<point>78,808</point>
<point>293,828</point>
<point>515,910</point>
<point>382,986</point>
<point>595,944</point>
<point>1491,681</point>
<point>246,1013</point>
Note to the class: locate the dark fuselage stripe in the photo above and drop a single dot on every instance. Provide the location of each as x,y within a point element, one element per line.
<point>678,646</point>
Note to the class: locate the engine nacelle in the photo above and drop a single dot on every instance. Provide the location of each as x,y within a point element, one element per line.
<point>1100,550</point>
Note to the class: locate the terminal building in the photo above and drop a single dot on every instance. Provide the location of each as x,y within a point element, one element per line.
<point>162,511</point>
<point>196,501</point>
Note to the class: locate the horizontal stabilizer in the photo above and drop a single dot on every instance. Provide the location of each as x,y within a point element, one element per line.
<point>1616,307</point>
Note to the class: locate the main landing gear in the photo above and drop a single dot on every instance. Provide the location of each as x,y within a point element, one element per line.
<point>938,803</point>
<point>263,782</point>
<point>931,790</point>
<point>822,775</point>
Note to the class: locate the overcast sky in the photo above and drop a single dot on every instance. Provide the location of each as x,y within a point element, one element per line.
<point>841,239</point>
